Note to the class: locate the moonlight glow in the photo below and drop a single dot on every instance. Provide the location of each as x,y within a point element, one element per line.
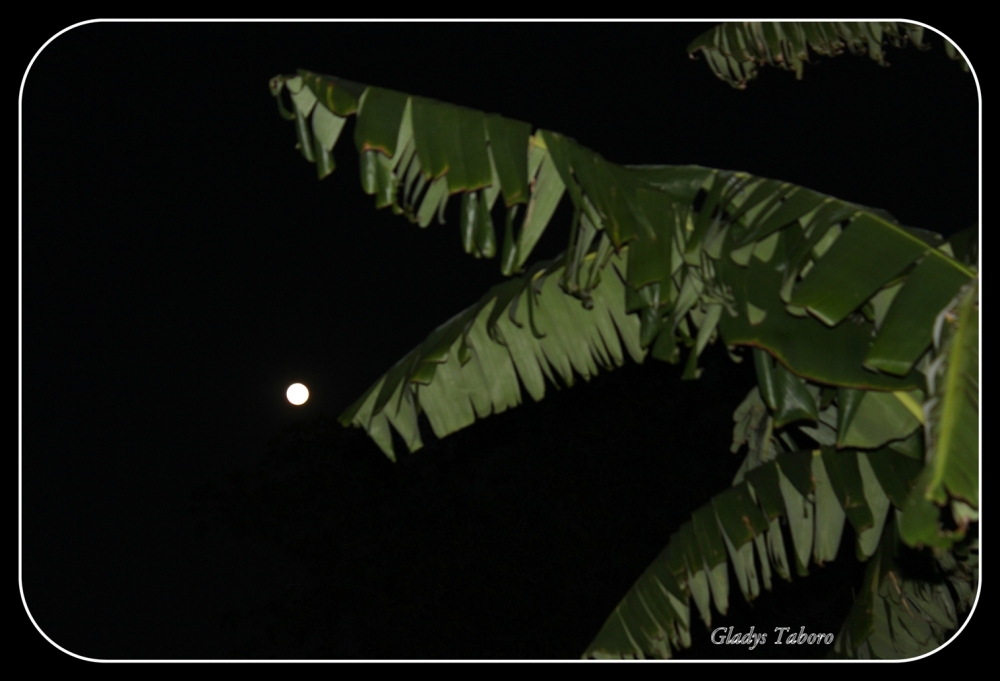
<point>297,394</point>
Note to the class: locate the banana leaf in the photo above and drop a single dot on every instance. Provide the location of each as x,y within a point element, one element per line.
<point>711,255</point>
<point>951,474</point>
<point>734,51</point>
<point>748,518</point>
<point>864,334</point>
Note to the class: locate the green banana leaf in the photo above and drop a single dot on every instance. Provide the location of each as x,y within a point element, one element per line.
<point>734,51</point>
<point>521,332</point>
<point>951,474</point>
<point>864,335</point>
<point>710,254</point>
<point>813,492</point>
<point>896,616</point>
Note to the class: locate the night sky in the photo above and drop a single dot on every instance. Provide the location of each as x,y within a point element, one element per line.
<point>182,265</point>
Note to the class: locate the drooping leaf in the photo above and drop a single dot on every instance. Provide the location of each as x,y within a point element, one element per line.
<point>843,471</point>
<point>829,513</point>
<point>339,95</point>
<point>548,189</point>
<point>734,50</point>
<point>379,118</point>
<point>878,503</point>
<point>952,426</point>
<point>897,616</point>
<point>826,292</point>
<point>739,516</point>
<point>452,394</point>
<point>737,519</point>
<point>509,144</point>
<point>326,128</point>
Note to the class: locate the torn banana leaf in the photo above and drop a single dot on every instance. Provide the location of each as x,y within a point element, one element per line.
<point>951,474</point>
<point>740,529</point>
<point>895,616</point>
<point>734,50</point>
<point>521,333</point>
<point>712,254</point>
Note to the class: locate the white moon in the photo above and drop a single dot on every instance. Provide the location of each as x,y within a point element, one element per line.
<point>297,394</point>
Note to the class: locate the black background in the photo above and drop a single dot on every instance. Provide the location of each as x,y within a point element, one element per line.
<point>181,265</point>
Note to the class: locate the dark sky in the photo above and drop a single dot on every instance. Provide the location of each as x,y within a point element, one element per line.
<point>181,264</point>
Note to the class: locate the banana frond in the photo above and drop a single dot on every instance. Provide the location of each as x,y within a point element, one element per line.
<point>897,616</point>
<point>805,496</point>
<point>735,51</point>
<point>951,475</point>
<point>522,332</point>
<point>864,336</point>
<point>840,294</point>
<point>869,462</point>
<point>415,153</point>
<point>872,444</point>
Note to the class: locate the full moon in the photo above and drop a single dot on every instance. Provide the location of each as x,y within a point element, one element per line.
<point>297,394</point>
